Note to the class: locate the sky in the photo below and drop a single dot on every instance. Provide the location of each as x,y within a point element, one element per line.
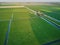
<point>29,0</point>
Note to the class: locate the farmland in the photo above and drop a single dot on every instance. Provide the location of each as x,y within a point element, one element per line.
<point>20,26</point>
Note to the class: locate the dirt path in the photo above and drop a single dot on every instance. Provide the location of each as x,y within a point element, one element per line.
<point>11,6</point>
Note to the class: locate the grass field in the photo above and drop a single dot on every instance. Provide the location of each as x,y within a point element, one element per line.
<point>20,26</point>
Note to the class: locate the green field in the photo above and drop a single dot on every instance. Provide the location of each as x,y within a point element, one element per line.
<point>25,28</point>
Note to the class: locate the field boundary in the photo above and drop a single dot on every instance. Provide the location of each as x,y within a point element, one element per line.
<point>55,25</point>
<point>7,33</point>
<point>52,18</point>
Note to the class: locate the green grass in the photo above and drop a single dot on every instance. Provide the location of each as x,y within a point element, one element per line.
<point>22,34</point>
<point>21,31</point>
<point>26,30</point>
<point>3,30</point>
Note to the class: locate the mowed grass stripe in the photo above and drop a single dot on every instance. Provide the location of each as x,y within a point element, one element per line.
<point>21,31</point>
<point>5,10</point>
<point>20,10</point>
<point>21,16</point>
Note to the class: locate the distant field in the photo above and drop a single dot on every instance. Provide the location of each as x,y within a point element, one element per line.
<point>20,26</point>
<point>51,10</point>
